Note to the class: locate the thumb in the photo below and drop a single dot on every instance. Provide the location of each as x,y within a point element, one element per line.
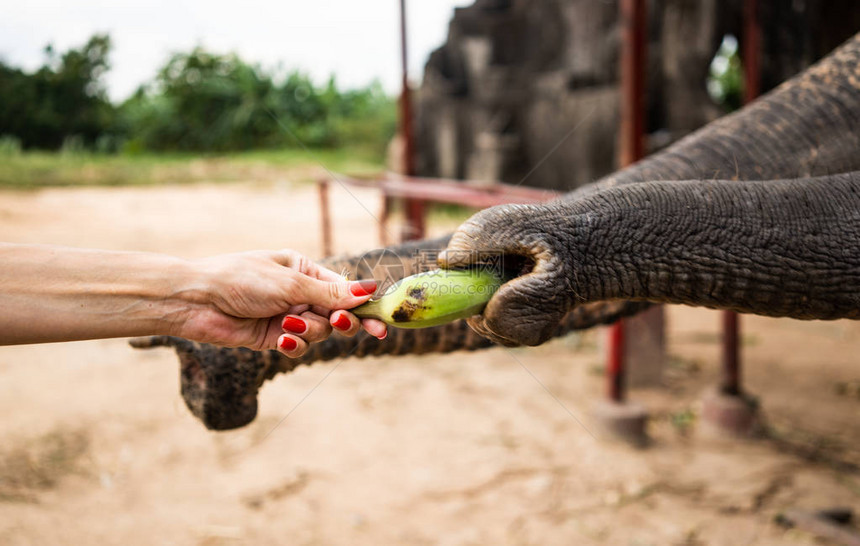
<point>335,295</point>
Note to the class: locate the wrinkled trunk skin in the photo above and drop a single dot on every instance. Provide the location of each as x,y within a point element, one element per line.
<point>809,126</point>
<point>781,248</point>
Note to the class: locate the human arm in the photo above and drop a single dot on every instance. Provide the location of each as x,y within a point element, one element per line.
<point>52,293</point>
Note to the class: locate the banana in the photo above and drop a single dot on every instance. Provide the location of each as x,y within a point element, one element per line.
<point>433,298</point>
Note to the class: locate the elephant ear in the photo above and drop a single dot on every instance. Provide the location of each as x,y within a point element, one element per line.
<point>528,309</point>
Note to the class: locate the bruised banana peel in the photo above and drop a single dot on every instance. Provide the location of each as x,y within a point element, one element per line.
<point>433,298</point>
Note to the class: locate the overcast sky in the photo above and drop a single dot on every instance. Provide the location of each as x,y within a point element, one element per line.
<point>357,40</point>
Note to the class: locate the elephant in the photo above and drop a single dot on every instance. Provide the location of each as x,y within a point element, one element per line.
<point>757,212</point>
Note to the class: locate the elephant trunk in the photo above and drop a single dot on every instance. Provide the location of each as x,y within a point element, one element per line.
<point>779,248</point>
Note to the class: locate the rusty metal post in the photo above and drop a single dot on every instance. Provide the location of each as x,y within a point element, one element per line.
<point>414,208</point>
<point>325,217</point>
<point>632,144</point>
<point>751,53</point>
<point>615,416</point>
<point>751,58</point>
<point>615,364</point>
<point>384,214</point>
<point>731,382</point>
<point>728,409</point>
<point>631,148</point>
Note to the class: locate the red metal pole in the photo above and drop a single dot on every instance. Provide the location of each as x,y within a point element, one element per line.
<point>325,218</point>
<point>384,213</point>
<point>632,81</point>
<point>731,354</point>
<point>751,57</point>
<point>631,149</point>
<point>615,366</point>
<point>414,208</point>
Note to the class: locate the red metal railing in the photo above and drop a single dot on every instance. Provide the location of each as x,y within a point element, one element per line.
<point>478,195</point>
<point>415,217</point>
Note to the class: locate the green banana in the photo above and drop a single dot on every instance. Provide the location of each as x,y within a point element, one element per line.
<point>433,298</point>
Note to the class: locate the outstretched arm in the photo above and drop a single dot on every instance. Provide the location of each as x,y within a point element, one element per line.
<point>51,293</point>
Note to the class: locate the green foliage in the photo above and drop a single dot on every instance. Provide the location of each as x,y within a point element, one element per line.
<point>63,99</point>
<point>10,146</point>
<point>203,103</point>
<point>726,80</point>
<point>198,102</point>
<point>206,102</point>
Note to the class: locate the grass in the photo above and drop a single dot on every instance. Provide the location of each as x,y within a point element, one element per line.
<point>33,170</point>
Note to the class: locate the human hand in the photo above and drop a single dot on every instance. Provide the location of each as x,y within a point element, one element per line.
<point>250,299</point>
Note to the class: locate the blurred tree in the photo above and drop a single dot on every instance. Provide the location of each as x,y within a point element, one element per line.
<point>199,101</point>
<point>726,78</point>
<point>64,99</point>
<point>214,103</point>
<point>202,101</point>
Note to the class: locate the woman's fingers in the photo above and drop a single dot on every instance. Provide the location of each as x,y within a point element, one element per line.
<point>312,328</point>
<point>309,326</point>
<point>299,309</point>
<point>321,311</point>
<point>348,324</point>
<point>332,295</point>
<point>292,345</point>
<point>374,327</point>
<point>345,323</point>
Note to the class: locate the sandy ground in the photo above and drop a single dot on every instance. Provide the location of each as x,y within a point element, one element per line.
<point>96,446</point>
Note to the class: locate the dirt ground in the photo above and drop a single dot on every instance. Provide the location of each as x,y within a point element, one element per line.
<point>96,446</point>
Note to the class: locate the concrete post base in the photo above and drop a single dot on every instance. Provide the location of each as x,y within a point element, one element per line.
<point>729,414</point>
<point>625,421</point>
<point>645,348</point>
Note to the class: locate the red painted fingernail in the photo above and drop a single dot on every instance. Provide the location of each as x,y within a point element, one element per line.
<point>362,288</point>
<point>342,323</point>
<point>294,325</point>
<point>383,336</point>
<point>288,343</point>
